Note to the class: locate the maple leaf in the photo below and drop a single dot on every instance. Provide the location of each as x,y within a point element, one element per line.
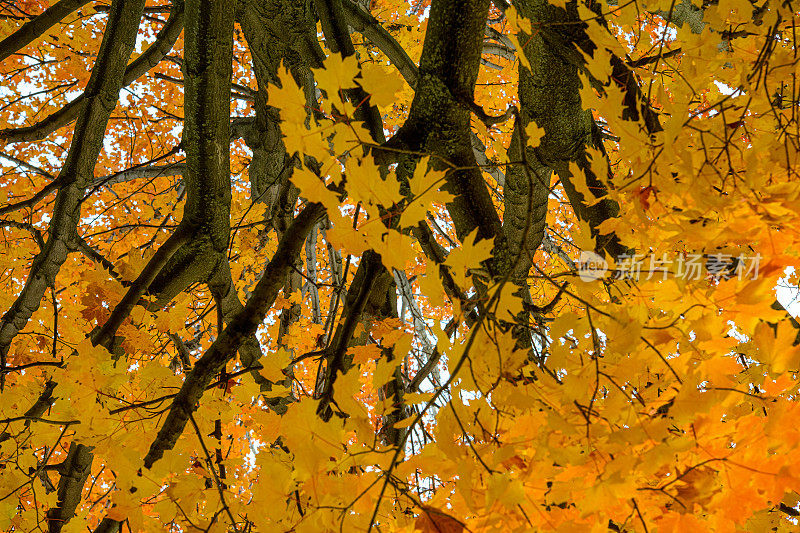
<point>468,256</point>
<point>533,134</point>
<point>365,184</point>
<point>273,365</point>
<point>381,83</point>
<point>337,73</point>
<point>776,346</point>
<point>643,195</point>
<point>698,486</point>
<point>425,190</point>
<point>289,98</point>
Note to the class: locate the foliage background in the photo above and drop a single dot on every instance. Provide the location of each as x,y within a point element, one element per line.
<point>282,265</point>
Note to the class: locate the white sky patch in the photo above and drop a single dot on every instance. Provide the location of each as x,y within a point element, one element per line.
<point>788,294</point>
<point>726,89</point>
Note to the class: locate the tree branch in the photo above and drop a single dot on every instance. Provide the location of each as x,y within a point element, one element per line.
<point>368,271</point>
<point>373,30</point>
<point>332,18</point>
<point>74,473</point>
<point>439,120</point>
<point>32,30</point>
<point>240,327</point>
<point>105,335</point>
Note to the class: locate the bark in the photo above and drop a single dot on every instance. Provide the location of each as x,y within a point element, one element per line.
<point>364,23</point>
<point>207,69</point>
<point>224,291</point>
<point>549,96</point>
<point>333,20</point>
<point>310,285</point>
<point>439,119</point>
<point>275,30</point>
<point>525,196</point>
<point>108,525</point>
<point>74,472</point>
<point>372,288</point>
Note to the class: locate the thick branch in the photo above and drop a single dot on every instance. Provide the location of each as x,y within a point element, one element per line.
<point>334,26</point>
<point>372,30</point>
<point>207,69</point>
<point>108,525</point>
<point>105,335</point>
<point>369,270</point>
<point>225,295</point>
<point>525,196</point>
<point>140,173</point>
<point>74,473</point>
<point>439,120</point>
<point>549,96</point>
<point>32,30</point>
<point>243,325</point>
<point>276,30</point>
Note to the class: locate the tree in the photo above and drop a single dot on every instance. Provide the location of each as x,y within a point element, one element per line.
<point>441,265</point>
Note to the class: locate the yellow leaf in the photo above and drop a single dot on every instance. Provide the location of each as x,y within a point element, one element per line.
<point>417,397</point>
<point>516,22</point>
<point>312,142</point>
<point>776,347</point>
<point>432,520</point>
<point>424,185</point>
<point>584,239</point>
<point>533,134</point>
<point>396,249</point>
<point>289,98</point>
<point>431,286</point>
<point>405,422</point>
<point>363,354</point>
<point>468,256</point>
<point>342,235</point>
<point>508,491</point>
<point>337,73</point>
<point>172,320</point>
<point>274,364</point>
<point>313,189</point>
<point>277,392</point>
<point>384,371</point>
<point>506,307</point>
<point>578,181</point>
<point>520,51</point>
<point>381,83</point>
<point>365,184</point>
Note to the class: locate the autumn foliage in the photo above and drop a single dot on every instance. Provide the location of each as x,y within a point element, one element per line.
<point>424,265</point>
